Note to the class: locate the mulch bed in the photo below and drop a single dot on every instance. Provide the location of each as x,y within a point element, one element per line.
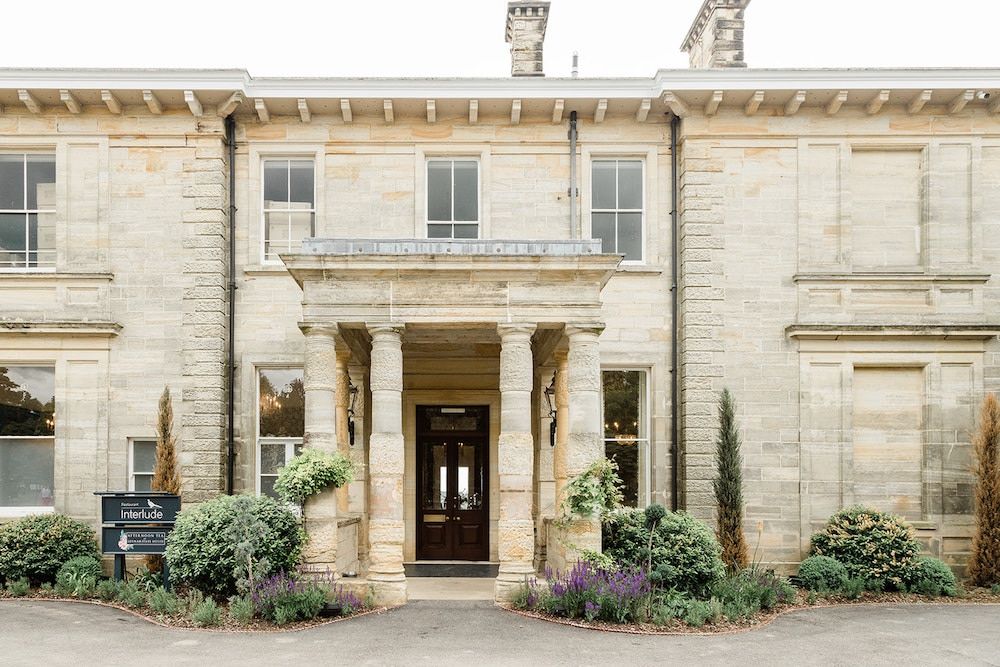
<point>182,622</point>
<point>677,627</point>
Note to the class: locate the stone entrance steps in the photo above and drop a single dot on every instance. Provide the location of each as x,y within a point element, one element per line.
<point>452,568</point>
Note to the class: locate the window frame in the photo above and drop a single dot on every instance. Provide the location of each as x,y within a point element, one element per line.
<point>641,159</point>
<point>17,511</point>
<point>289,158</point>
<point>644,464</point>
<point>26,212</point>
<point>132,472</point>
<point>427,196</point>
<point>288,442</point>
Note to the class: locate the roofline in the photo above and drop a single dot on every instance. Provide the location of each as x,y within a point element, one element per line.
<point>677,80</point>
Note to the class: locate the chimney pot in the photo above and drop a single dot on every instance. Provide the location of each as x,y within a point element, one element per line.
<point>716,35</point>
<point>526,22</point>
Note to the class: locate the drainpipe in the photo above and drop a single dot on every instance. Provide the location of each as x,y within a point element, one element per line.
<point>231,370</point>
<point>572,174</point>
<point>675,453</point>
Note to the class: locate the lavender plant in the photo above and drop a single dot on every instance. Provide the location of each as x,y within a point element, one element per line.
<point>616,595</point>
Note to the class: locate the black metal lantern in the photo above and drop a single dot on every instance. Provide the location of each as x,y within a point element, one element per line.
<point>550,393</point>
<point>352,390</point>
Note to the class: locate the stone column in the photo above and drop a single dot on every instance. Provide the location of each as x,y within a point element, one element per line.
<point>385,469</point>
<point>556,548</point>
<point>343,399</point>
<point>515,456</point>
<point>585,436</point>
<point>320,510</point>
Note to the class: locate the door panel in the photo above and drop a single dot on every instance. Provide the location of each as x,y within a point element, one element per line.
<point>452,488</point>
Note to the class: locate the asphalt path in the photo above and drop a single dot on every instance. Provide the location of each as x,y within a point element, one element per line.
<point>51,633</point>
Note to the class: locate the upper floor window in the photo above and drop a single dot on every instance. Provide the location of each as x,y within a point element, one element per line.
<point>27,442</point>
<point>616,207</point>
<point>281,422</point>
<point>142,463</point>
<point>452,199</point>
<point>27,211</point>
<point>289,205</point>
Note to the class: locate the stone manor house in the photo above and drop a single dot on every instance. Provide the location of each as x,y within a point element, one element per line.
<point>427,274</point>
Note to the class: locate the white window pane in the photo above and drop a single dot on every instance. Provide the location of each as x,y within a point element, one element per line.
<point>603,228</point>
<point>439,190</point>
<point>276,228</point>
<point>466,191</point>
<point>272,457</point>
<point>439,231</point>
<point>26,472</point>
<point>13,240</point>
<point>45,238</point>
<point>466,231</point>
<point>142,483</point>
<point>11,182</point>
<point>41,181</point>
<point>27,401</point>
<point>301,228</point>
<point>143,455</point>
<point>603,184</point>
<point>302,192</point>
<point>630,235</point>
<point>630,184</point>
<point>276,183</point>
<point>267,486</point>
<point>282,403</point>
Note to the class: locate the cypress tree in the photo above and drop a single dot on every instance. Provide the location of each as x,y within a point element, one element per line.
<point>728,486</point>
<point>165,475</point>
<point>984,566</point>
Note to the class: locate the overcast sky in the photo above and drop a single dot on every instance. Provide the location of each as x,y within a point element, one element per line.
<point>466,37</point>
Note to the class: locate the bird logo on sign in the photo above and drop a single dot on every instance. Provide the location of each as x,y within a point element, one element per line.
<point>153,505</point>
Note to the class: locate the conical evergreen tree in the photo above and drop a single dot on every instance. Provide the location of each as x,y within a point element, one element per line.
<point>728,485</point>
<point>165,474</point>
<point>984,566</point>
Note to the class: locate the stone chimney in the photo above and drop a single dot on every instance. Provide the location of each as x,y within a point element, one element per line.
<point>716,36</point>
<point>526,23</point>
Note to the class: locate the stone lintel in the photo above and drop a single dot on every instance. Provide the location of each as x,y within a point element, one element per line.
<point>947,332</point>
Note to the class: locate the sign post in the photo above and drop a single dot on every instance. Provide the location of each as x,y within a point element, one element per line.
<point>137,522</point>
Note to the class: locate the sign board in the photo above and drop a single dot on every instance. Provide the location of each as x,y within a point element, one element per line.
<point>139,508</point>
<point>134,539</point>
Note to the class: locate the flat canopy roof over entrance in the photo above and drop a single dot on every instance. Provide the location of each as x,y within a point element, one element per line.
<point>356,281</point>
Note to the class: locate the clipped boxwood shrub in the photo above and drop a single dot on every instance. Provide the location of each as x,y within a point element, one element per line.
<point>872,545</point>
<point>931,576</point>
<point>685,555</point>
<point>822,573</point>
<point>35,547</point>
<point>202,553</point>
<point>78,576</point>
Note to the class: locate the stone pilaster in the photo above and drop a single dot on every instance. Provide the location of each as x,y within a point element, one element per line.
<point>585,438</point>
<point>515,453</point>
<point>385,470</point>
<point>556,551</point>
<point>342,383</point>
<point>320,510</point>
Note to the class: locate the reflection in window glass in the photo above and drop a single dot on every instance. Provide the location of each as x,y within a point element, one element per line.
<point>617,206</point>
<point>27,427</point>
<point>289,205</point>
<point>452,197</point>
<point>281,422</point>
<point>27,211</point>
<point>143,463</point>
<point>625,430</point>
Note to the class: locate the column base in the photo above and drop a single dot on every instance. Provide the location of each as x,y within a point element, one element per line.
<point>388,592</point>
<point>567,542</point>
<point>509,581</point>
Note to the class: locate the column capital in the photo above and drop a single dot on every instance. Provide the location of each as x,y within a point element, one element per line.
<point>584,328</point>
<point>319,328</point>
<point>385,329</point>
<point>506,329</point>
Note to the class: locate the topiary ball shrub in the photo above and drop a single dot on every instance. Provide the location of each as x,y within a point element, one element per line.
<point>822,573</point>
<point>684,556</point>
<point>932,577</point>
<point>872,545</point>
<point>35,547</point>
<point>202,553</point>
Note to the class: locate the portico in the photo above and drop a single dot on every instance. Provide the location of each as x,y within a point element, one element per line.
<point>450,324</point>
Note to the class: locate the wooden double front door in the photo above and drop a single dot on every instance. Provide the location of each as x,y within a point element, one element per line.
<point>453,483</point>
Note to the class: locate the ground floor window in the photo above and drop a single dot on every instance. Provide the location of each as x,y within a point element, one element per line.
<point>626,438</point>
<point>280,423</point>
<point>27,430</point>
<point>142,461</point>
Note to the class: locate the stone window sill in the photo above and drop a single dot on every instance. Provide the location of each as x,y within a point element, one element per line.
<point>647,269</point>
<point>53,275</point>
